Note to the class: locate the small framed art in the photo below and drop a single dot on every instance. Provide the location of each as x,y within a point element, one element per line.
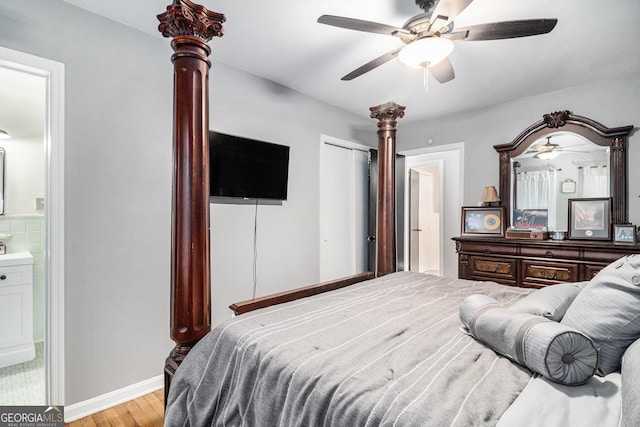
<point>483,220</point>
<point>530,218</point>
<point>568,186</point>
<point>624,233</point>
<point>590,219</point>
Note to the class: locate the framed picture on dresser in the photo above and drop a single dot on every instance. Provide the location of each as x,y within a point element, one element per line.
<point>624,233</point>
<point>590,218</point>
<point>483,221</point>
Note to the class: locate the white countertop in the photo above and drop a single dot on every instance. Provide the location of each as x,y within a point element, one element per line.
<point>17,258</point>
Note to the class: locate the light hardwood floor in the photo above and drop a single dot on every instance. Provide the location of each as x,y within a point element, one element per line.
<point>145,411</point>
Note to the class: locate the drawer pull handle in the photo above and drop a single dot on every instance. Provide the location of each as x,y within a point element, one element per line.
<point>487,250</point>
<point>547,275</point>
<point>3,277</point>
<point>491,268</point>
<point>549,254</point>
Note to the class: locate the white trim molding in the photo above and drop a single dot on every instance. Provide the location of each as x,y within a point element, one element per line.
<point>53,72</point>
<point>111,399</point>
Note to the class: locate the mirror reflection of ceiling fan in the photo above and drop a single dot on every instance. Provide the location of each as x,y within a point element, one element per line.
<point>548,150</point>
<point>429,36</point>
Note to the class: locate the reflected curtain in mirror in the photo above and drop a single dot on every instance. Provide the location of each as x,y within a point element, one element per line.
<point>537,190</point>
<point>593,181</point>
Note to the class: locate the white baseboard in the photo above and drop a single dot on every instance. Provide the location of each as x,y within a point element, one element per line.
<point>108,400</point>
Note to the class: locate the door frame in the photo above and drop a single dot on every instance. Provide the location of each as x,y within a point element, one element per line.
<point>341,143</point>
<point>439,164</point>
<point>452,218</point>
<point>53,72</point>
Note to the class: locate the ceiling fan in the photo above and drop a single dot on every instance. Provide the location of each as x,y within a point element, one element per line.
<point>545,151</point>
<point>548,150</point>
<point>429,36</point>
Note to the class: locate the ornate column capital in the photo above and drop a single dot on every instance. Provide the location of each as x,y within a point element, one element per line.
<point>184,18</point>
<point>387,111</point>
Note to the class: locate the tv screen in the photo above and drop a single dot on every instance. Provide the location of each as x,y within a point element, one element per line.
<point>247,168</point>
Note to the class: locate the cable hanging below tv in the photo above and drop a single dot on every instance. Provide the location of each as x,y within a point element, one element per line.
<point>247,168</point>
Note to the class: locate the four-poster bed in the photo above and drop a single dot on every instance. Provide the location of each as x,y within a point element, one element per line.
<point>191,27</point>
<point>372,349</point>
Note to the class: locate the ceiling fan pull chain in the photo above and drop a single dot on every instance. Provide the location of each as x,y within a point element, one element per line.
<point>426,79</point>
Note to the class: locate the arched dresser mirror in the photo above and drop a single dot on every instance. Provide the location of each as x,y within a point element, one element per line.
<point>569,146</point>
<point>580,152</point>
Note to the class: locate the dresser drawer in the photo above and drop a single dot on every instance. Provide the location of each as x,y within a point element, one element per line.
<point>488,249</point>
<point>547,273</point>
<point>551,253</point>
<point>591,270</point>
<point>605,256</point>
<point>492,268</point>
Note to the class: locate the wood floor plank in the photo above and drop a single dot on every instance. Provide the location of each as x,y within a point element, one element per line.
<point>125,416</point>
<point>101,419</point>
<point>137,412</point>
<point>83,422</point>
<point>155,403</point>
<point>114,418</point>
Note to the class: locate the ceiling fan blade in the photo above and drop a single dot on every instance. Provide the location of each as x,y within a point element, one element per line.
<point>443,71</point>
<point>360,25</point>
<point>446,11</point>
<point>503,30</point>
<point>371,65</point>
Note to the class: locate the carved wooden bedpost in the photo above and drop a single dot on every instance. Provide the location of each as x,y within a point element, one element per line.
<point>386,227</point>
<point>191,27</point>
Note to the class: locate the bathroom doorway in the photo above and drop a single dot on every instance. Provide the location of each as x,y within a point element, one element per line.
<point>445,164</point>
<point>32,91</point>
<point>424,218</point>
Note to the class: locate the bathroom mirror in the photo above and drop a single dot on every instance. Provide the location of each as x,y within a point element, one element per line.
<point>565,149</point>
<point>1,181</point>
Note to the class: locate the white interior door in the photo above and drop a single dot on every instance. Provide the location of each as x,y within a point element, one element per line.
<point>424,219</point>
<point>343,211</point>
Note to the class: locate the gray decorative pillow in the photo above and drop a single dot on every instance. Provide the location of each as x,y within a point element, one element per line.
<point>551,301</point>
<point>608,311</point>
<point>630,389</point>
<point>549,348</point>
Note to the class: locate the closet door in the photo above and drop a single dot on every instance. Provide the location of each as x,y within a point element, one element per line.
<point>343,211</point>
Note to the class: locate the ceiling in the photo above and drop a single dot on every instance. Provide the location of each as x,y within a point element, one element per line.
<point>281,41</point>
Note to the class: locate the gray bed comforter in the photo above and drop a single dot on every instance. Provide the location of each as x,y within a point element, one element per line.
<point>386,352</point>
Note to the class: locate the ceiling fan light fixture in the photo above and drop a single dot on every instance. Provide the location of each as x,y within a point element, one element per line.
<point>547,155</point>
<point>4,134</point>
<point>425,51</point>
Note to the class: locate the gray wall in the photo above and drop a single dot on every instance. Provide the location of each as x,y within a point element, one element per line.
<point>118,167</point>
<point>288,245</point>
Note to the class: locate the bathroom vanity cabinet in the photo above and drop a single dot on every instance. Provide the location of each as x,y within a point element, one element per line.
<point>16,309</point>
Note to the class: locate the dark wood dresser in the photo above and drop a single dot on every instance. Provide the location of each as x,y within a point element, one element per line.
<point>535,263</point>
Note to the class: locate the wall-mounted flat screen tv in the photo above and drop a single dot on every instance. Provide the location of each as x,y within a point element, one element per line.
<point>247,168</point>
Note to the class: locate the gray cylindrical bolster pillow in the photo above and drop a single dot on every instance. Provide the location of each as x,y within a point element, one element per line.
<point>548,348</point>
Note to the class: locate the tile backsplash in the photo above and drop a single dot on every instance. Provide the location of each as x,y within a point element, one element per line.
<point>28,234</point>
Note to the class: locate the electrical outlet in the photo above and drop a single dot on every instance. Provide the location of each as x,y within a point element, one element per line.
<point>39,203</point>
